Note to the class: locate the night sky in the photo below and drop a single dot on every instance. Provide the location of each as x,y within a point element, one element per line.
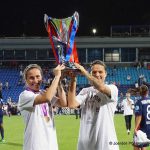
<point>26,17</point>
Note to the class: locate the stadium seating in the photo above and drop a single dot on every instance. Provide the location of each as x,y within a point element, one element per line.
<point>118,77</point>
<point>12,76</point>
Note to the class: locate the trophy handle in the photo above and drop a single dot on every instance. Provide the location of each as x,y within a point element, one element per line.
<point>46,21</point>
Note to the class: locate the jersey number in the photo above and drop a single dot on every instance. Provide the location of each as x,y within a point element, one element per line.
<point>148,112</point>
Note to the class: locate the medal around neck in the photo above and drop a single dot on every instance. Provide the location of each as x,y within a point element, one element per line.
<point>61,33</point>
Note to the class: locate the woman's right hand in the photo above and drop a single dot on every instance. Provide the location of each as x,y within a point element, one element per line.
<point>58,69</point>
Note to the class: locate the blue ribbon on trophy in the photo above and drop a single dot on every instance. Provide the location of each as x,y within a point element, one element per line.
<point>62,33</point>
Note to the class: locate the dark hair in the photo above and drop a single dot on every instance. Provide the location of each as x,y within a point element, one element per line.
<point>99,62</point>
<point>143,90</point>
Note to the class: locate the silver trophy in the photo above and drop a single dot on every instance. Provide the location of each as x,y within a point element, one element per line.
<point>62,33</point>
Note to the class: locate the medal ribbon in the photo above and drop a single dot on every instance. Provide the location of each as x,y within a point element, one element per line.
<point>44,109</point>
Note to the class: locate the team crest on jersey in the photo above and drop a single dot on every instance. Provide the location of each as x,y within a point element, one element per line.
<point>137,108</point>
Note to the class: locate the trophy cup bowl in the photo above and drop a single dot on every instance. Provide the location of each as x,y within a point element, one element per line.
<point>61,33</point>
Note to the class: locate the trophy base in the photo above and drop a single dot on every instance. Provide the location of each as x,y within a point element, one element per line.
<point>70,67</point>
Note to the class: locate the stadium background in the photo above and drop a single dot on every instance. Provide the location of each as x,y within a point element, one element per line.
<point>126,53</point>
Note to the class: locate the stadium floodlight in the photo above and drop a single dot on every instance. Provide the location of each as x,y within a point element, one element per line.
<point>94,31</point>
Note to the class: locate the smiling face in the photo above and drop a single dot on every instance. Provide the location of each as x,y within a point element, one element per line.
<point>33,77</point>
<point>99,72</point>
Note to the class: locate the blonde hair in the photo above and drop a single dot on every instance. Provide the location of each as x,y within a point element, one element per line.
<point>30,67</point>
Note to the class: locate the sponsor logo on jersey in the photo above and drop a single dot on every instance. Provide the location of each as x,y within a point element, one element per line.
<point>145,101</point>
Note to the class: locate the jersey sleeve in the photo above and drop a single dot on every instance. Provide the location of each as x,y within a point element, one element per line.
<point>138,108</point>
<point>26,100</point>
<point>114,92</point>
<point>82,96</point>
<point>132,104</point>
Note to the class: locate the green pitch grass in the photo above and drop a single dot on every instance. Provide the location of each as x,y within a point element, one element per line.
<point>67,132</point>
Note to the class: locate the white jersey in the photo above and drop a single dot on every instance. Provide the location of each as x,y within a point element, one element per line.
<point>97,131</point>
<point>128,108</point>
<point>40,133</point>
